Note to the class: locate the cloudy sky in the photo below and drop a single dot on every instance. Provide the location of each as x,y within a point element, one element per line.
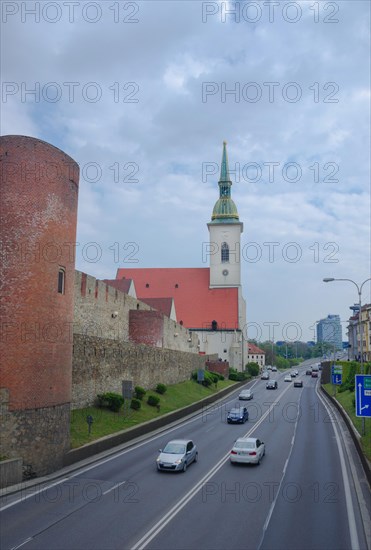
<point>142,95</point>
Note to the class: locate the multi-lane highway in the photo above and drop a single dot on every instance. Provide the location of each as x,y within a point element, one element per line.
<point>308,493</point>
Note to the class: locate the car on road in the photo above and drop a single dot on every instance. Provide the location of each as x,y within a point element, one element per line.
<point>287,378</point>
<point>271,385</point>
<point>247,450</point>
<point>298,383</point>
<point>246,395</point>
<point>238,415</point>
<point>308,372</point>
<point>177,455</point>
<point>265,375</point>
<point>314,374</point>
<point>274,369</point>
<point>293,374</point>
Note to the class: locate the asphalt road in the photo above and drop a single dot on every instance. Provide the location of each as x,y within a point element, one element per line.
<point>302,496</point>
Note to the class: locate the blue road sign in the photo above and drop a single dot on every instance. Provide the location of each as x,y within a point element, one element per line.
<point>363,395</point>
<point>337,379</point>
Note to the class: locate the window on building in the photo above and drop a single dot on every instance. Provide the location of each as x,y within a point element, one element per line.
<point>61,280</point>
<point>214,325</point>
<point>225,253</point>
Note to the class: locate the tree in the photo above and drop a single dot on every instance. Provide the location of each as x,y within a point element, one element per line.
<point>253,369</point>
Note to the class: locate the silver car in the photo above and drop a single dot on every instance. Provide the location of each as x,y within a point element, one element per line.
<point>177,455</point>
<point>247,450</point>
<point>245,395</point>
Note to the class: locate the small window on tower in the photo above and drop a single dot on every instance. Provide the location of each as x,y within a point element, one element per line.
<point>61,280</point>
<point>225,253</point>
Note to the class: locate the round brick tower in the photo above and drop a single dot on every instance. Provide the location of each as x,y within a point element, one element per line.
<point>39,190</point>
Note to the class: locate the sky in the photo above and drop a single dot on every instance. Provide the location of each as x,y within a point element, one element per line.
<point>142,95</point>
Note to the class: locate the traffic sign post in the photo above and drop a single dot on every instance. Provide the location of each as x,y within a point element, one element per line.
<point>363,395</point>
<point>336,376</point>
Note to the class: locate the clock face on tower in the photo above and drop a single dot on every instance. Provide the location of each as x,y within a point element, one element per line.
<point>225,272</point>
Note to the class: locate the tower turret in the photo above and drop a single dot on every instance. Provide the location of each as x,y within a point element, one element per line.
<point>225,233</point>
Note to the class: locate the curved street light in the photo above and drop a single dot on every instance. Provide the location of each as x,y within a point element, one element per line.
<point>359,290</point>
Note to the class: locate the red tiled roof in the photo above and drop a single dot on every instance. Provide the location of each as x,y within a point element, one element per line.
<point>120,284</point>
<point>195,304</point>
<point>254,349</point>
<point>161,304</point>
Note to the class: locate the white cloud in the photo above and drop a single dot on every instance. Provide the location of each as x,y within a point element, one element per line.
<point>153,123</point>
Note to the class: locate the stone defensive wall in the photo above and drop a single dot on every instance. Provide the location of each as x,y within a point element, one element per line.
<point>102,311</point>
<point>100,365</point>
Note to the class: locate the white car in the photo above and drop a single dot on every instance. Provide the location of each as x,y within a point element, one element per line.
<point>247,450</point>
<point>245,395</point>
<point>288,378</point>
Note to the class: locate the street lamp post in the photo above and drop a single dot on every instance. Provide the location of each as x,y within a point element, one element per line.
<point>359,290</point>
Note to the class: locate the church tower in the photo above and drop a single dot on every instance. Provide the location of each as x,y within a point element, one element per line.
<point>225,234</point>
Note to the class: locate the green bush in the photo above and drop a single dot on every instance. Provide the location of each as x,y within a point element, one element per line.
<point>253,369</point>
<point>161,388</point>
<point>135,404</point>
<point>110,400</point>
<point>238,376</point>
<point>153,400</point>
<point>139,392</point>
<point>217,374</point>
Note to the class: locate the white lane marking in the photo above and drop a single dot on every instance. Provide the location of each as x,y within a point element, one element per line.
<point>22,543</point>
<point>266,523</point>
<point>159,526</point>
<point>348,495</point>
<point>114,487</point>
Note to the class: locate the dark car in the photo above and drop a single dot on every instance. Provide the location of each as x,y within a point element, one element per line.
<point>308,372</point>
<point>237,416</point>
<point>298,384</point>
<point>314,374</point>
<point>271,385</point>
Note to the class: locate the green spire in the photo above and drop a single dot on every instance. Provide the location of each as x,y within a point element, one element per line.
<point>224,171</point>
<point>225,211</point>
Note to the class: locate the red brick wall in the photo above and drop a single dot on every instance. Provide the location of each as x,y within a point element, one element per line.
<point>222,367</point>
<point>146,327</point>
<point>39,189</point>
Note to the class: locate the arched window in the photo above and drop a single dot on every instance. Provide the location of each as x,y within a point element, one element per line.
<point>225,252</point>
<point>214,325</point>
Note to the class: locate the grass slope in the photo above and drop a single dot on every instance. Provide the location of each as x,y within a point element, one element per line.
<point>106,422</point>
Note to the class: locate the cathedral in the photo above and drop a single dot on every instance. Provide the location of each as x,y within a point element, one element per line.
<point>207,300</point>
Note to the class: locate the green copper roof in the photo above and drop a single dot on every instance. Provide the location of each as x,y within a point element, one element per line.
<point>225,210</point>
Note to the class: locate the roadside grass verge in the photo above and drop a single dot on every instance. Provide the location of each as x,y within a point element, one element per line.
<point>346,400</point>
<point>106,422</point>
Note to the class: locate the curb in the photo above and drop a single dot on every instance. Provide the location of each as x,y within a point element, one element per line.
<point>353,432</point>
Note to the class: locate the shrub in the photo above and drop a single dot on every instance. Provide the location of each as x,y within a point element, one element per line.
<point>217,374</point>
<point>135,404</point>
<point>110,400</point>
<point>139,392</point>
<point>153,400</point>
<point>161,388</point>
<point>253,369</point>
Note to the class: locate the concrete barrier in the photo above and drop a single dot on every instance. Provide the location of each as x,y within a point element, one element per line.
<point>10,472</point>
